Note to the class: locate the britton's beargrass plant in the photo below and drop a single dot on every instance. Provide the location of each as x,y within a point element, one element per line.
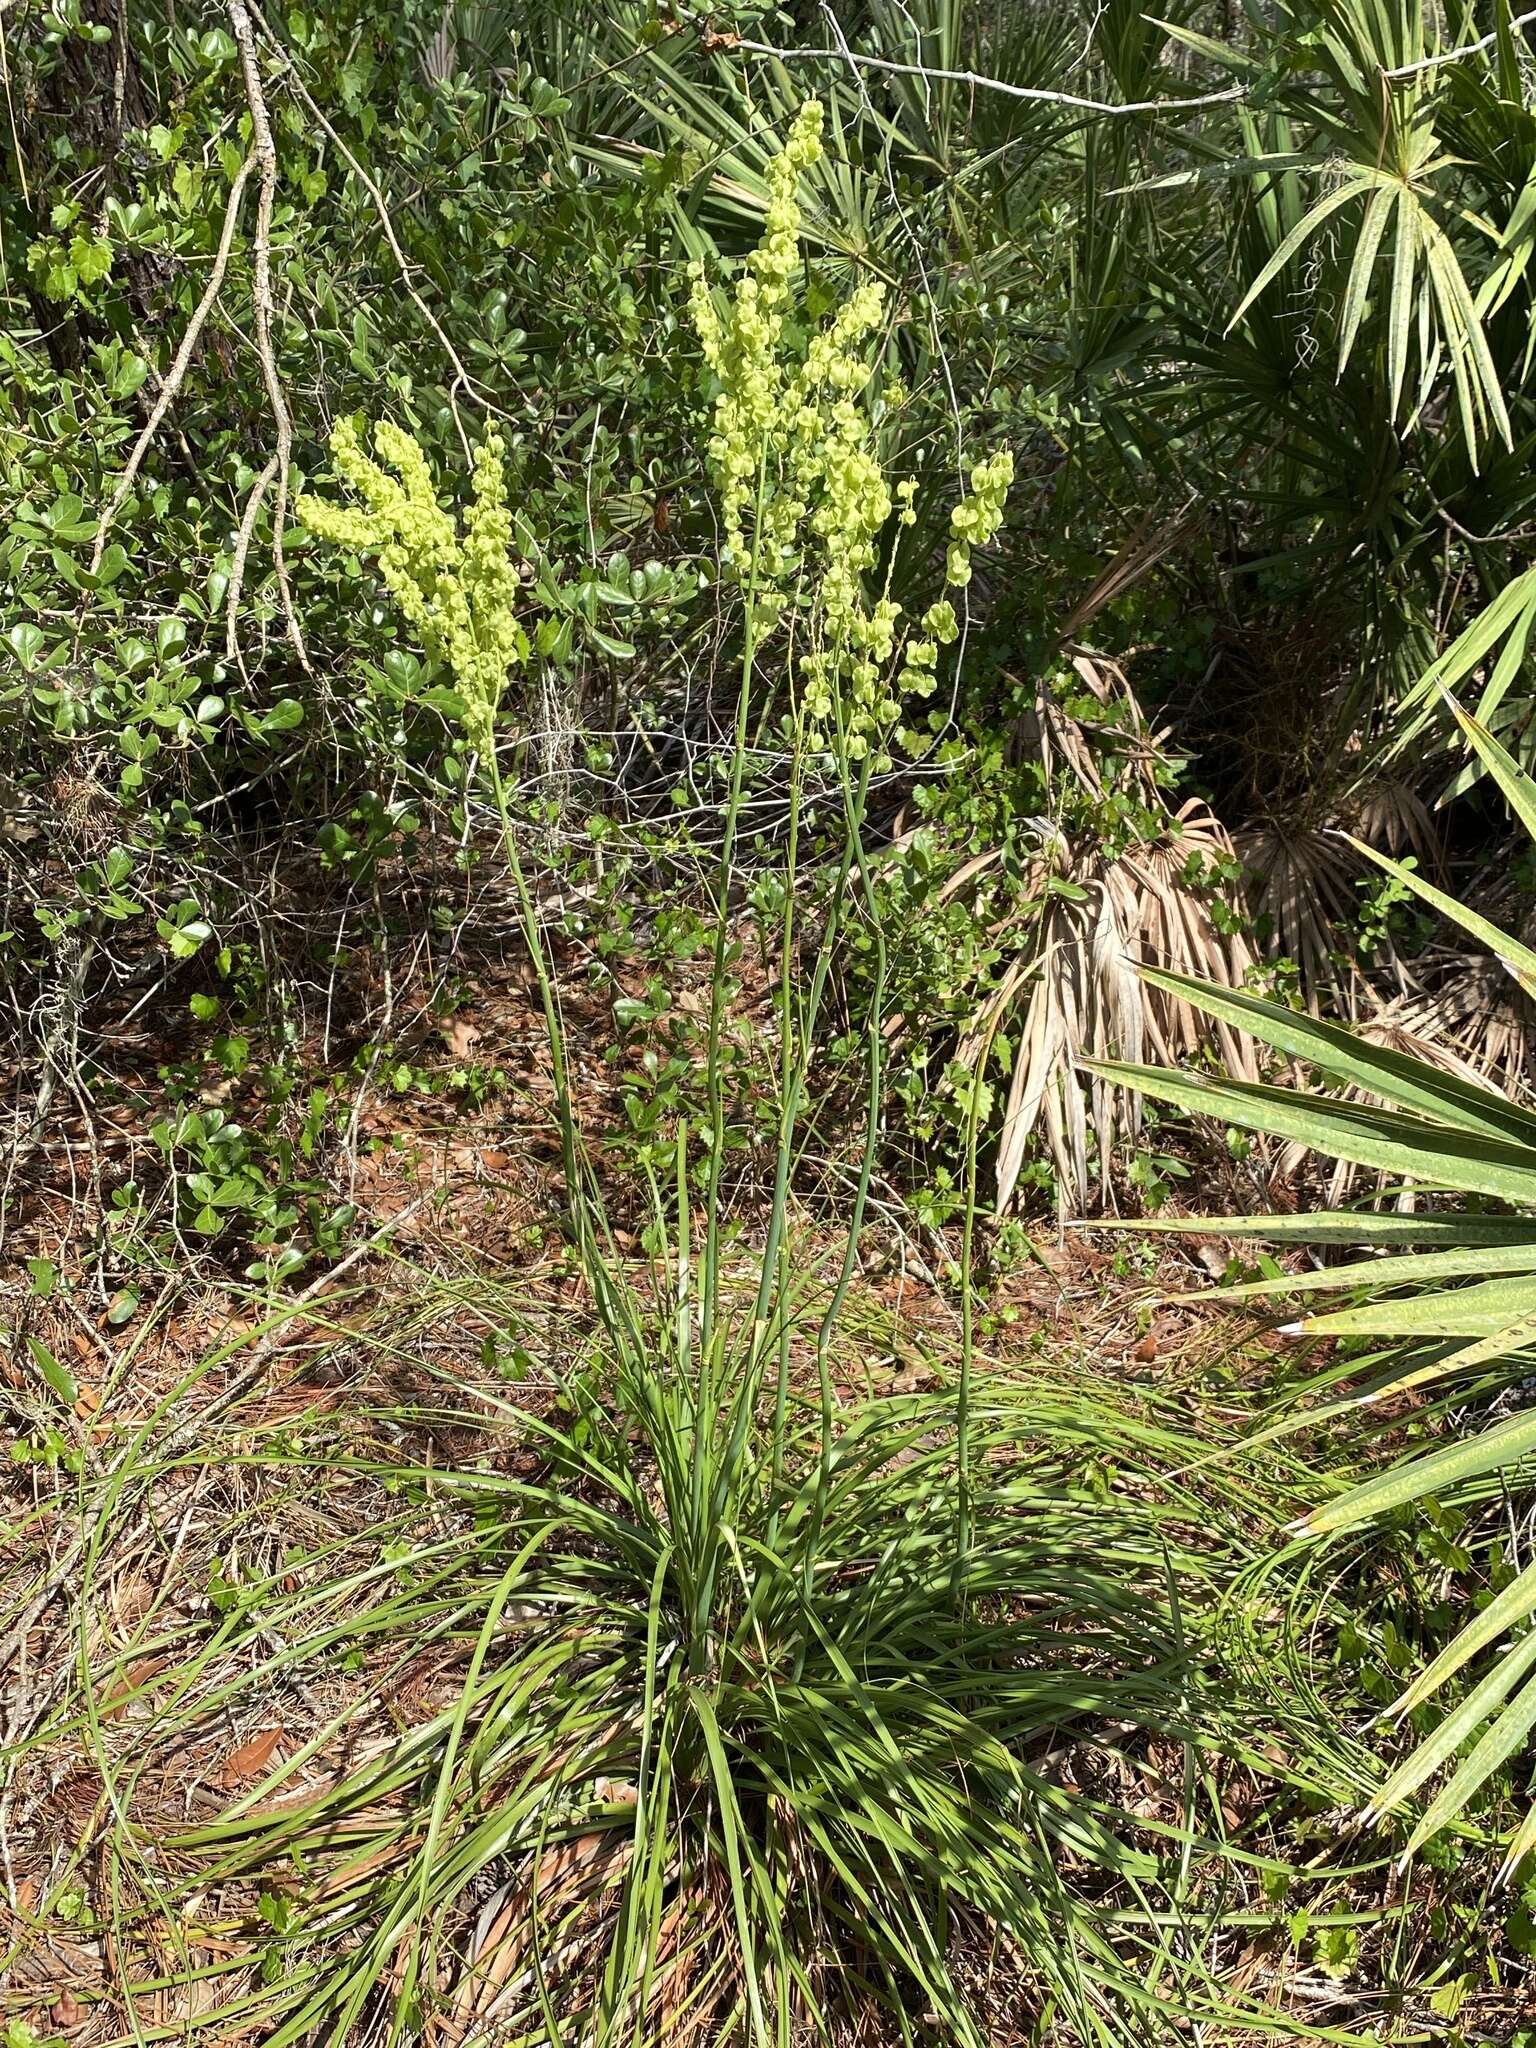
<point>727,1745</point>
<point>762,1683</point>
<point>1052,271</point>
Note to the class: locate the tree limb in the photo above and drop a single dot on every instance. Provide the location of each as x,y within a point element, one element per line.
<point>178,369</point>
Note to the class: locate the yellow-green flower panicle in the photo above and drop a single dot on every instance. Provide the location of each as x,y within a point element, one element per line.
<point>458,593</point>
<point>743,349</point>
<point>803,493</point>
<point>977,517</point>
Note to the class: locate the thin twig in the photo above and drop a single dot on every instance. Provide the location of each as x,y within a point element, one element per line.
<point>1462,50</point>
<point>291,1310</point>
<point>978,80</point>
<point>261,299</point>
<point>178,369</point>
<point>253,504</point>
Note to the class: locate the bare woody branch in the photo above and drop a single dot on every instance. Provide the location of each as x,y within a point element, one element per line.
<point>178,370</point>
<point>265,150</point>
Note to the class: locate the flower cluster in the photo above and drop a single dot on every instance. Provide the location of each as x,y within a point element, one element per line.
<point>743,349</point>
<point>460,593</point>
<point>793,452</point>
<point>977,517</point>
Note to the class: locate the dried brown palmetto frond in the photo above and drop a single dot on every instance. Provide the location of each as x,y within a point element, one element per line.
<point>1463,1013</point>
<point>1074,992</point>
<point>1166,909</point>
<point>1303,878</point>
<point>1301,884</point>
<point>1083,997</point>
<point>1062,742</point>
<point>1391,815</point>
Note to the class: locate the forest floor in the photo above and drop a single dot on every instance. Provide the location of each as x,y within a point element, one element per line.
<point>193,1476</point>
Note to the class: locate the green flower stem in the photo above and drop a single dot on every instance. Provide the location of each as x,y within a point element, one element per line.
<point>855,805</point>
<point>533,936</point>
<point>714,1081</point>
<point>964,1506</point>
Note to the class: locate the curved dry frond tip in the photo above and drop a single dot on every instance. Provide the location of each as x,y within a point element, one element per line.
<point>1065,743</point>
<point>1168,916</point>
<point>1153,540</point>
<point>1391,1029</point>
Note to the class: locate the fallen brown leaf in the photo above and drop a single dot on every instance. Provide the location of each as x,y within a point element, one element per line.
<point>615,1792</point>
<point>461,1037</point>
<point>251,1757</point>
<point>115,1703</point>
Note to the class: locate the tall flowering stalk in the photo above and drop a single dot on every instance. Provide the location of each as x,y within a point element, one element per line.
<point>804,495</point>
<point>460,591</point>
<point>805,505</point>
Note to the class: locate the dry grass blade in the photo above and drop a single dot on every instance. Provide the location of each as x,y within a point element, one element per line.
<point>1150,544</point>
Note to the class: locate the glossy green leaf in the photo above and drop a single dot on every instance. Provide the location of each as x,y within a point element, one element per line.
<point>1408,1147</point>
<point>1515,1604</point>
<point>56,1376</point>
<point>1394,1077</point>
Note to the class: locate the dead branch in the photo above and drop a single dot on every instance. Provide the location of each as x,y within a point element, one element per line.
<point>178,369</point>
<point>261,299</point>
<point>461,377</point>
<point>248,519</point>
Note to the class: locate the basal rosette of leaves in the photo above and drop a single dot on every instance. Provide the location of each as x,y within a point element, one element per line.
<point>805,497</point>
